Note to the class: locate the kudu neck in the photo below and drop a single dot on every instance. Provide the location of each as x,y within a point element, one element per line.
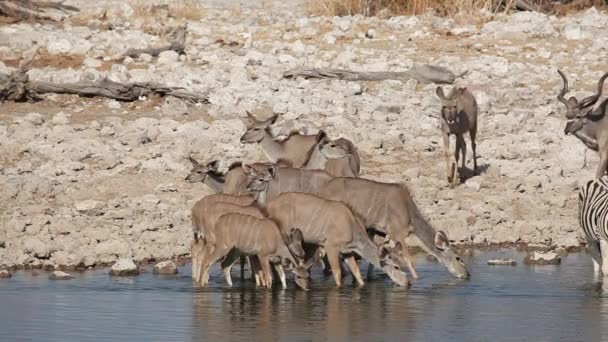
<point>271,148</point>
<point>215,181</point>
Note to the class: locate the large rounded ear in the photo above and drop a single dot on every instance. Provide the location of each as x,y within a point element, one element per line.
<point>272,171</point>
<point>213,165</point>
<point>440,94</point>
<point>441,240</point>
<point>321,135</point>
<point>250,116</point>
<point>193,161</point>
<point>573,101</point>
<point>295,235</point>
<point>272,119</point>
<point>398,247</point>
<point>248,170</point>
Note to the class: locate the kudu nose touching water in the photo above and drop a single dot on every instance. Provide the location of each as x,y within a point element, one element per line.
<point>587,122</point>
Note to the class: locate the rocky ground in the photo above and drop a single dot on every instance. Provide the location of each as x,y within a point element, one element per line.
<point>87,181</point>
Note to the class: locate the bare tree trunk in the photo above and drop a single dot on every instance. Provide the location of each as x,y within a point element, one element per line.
<point>17,87</point>
<point>27,9</point>
<point>421,73</point>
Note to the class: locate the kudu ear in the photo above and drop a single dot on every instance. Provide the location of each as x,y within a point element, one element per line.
<point>440,94</point>
<point>272,119</point>
<point>193,161</point>
<point>321,135</point>
<point>272,171</point>
<point>295,235</point>
<point>441,240</point>
<point>573,101</point>
<point>248,170</point>
<point>213,165</point>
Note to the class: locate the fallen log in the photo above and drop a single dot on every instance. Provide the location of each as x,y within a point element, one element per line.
<point>178,45</point>
<point>27,9</point>
<point>422,73</point>
<point>17,87</point>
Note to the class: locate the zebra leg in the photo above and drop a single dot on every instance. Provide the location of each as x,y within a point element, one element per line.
<point>604,251</point>
<point>596,254</point>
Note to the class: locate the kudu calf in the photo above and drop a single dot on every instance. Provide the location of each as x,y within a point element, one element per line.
<point>260,237</point>
<point>589,125</point>
<point>332,226</point>
<point>458,116</point>
<point>296,147</point>
<point>390,208</point>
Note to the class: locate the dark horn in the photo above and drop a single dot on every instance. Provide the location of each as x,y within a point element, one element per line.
<point>560,97</point>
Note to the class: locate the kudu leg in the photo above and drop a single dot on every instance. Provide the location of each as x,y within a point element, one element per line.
<point>194,251</point>
<point>228,262</point>
<point>408,260</point>
<point>472,134</point>
<point>333,255</point>
<point>281,272</point>
<point>354,269</point>
<point>601,168</point>
<point>463,150</point>
<point>265,263</point>
<point>208,261</point>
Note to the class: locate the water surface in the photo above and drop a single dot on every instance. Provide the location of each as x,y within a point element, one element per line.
<point>499,303</point>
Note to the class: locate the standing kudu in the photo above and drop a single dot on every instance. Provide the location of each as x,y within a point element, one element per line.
<point>390,208</point>
<point>335,228</point>
<point>260,237</point>
<point>588,125</point>
<point>296,147</point>
<point>458,116</point>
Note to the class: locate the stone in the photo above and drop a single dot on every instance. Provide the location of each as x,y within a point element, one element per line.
<point>113,104</point>
<point>371,33</point>
<point>5,274</point>
<point>60,275</point>
<point>124,267</point>
<point>502,262</point>
<point>329,39</point>
<point>543,258</point>
<point>173,106</point>
<point>90,207</point>
<point>92,62</point>
<point>37,248</point>
<point>35,119</point>
<point>575,31</point>
<point>58,46</point>
<point>60,119</point>
<point>166,188</point>
<point>168,57</point>
<point>165,267</point>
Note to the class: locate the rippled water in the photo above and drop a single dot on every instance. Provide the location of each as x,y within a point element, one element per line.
<point>542,303</point>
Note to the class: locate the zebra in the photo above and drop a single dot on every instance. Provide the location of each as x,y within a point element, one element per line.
<point>593,219</point>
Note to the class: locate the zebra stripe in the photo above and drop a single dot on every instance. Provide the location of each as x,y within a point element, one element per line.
<point>593,209</point>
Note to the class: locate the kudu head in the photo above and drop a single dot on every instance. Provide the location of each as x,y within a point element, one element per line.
<point>329,149</point>
<point>301,269</point>
<point>200,171</point>
<point>256,129</point>
<point>577,113</point>
<point>258,180</point>
<point>449,104</point>
<point>391,257</point>
<point>449,256</point>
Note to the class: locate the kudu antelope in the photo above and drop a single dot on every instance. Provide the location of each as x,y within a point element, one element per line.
<point>332,226</point>
<point>205,214</point>
<point>324,151</point>
<point>296,147</point>
<point>458,115</point>
<point>390,208</point>
<point>260,237</point>
<point>589,125</point>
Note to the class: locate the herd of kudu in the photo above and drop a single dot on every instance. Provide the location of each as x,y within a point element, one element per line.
<point>308,205</point>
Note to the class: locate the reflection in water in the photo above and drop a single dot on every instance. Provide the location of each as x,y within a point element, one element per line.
<point>548,303</point>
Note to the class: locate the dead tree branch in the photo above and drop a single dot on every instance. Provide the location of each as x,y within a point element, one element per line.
<point>17,87</point>
<point>421,73</point>
<point>27,9</point>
